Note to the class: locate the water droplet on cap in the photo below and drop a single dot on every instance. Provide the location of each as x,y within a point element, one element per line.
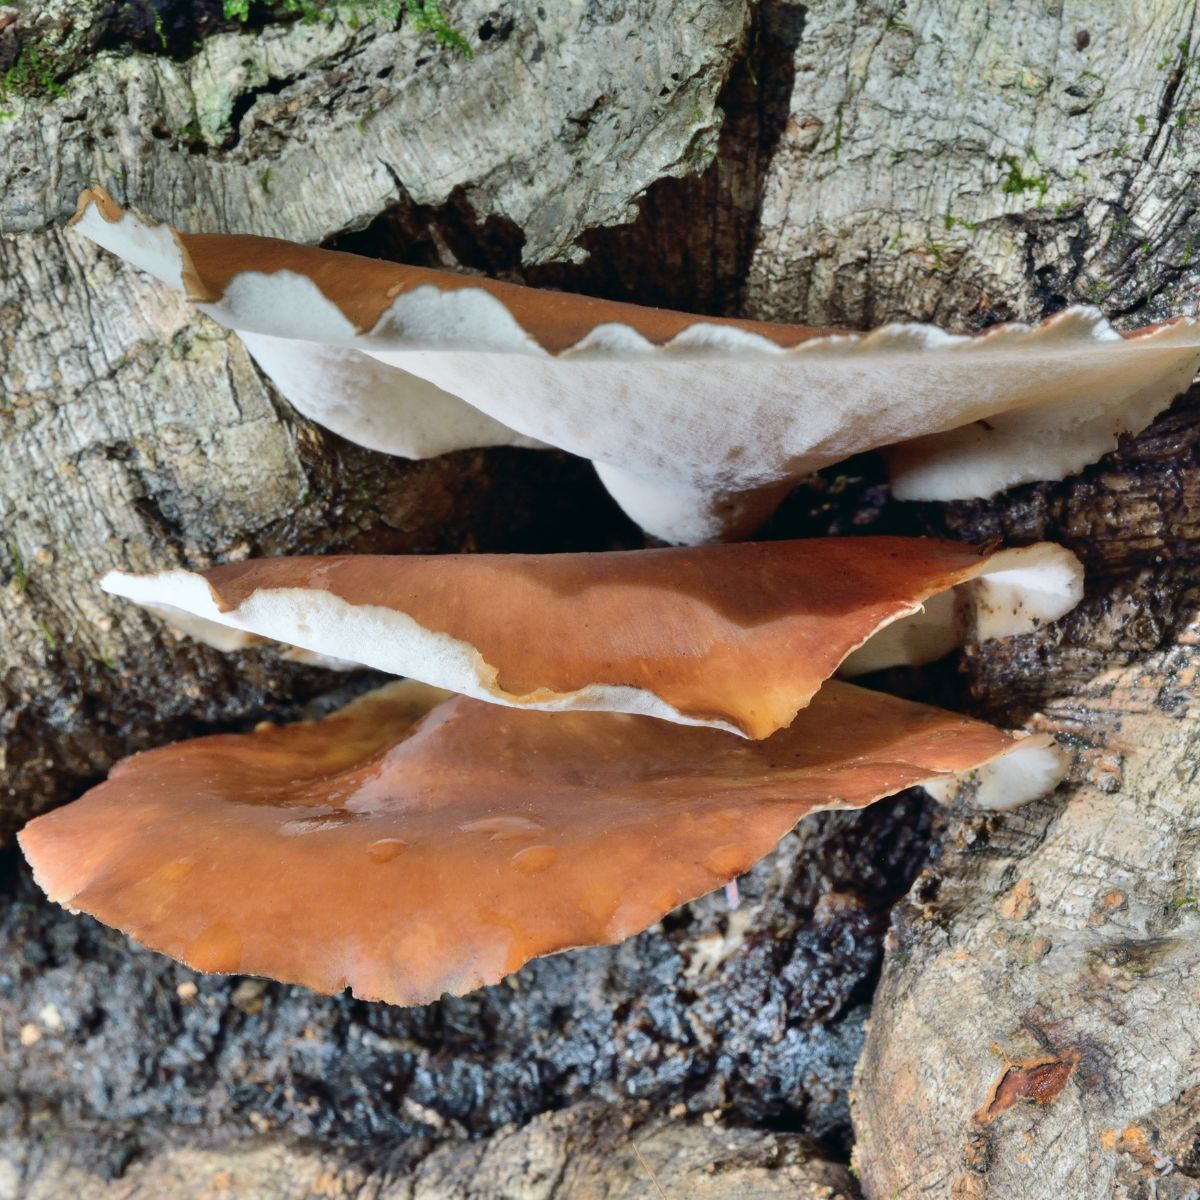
<point>534,859</point>
<point>385,849</point>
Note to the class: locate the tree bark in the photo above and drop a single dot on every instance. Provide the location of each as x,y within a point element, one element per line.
<point>1035,1033</point>
<point>584,1153</point>
<point>562,116</point>
<point>1037,1030</point>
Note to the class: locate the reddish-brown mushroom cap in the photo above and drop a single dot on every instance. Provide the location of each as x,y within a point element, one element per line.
<point>734,636</point>
<point>410,845</point>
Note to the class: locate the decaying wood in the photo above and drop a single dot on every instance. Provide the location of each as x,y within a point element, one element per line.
<point>585,1153</point>
<point>1041,1010</point>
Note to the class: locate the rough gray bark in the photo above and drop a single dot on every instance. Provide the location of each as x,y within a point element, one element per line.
<point>1038,1017</point>
<point>965,163</point>
<point>1035,1033</point>
<point>585,1153</point>
<point>564,115</point>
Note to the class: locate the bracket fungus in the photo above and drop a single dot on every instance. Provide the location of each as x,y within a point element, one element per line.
<point>697,425</point>
<point>736,637</point>
<point>412,845</point>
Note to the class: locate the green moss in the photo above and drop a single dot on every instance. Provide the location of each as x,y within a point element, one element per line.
<point>1181,64</point>
<point>937,251</point>
<point>1016,183</point>
<point>20,577</point>
<point>426,15</point>
<point>33,74</point>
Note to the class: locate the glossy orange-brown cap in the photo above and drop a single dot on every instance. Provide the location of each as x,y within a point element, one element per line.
<point>736,636</point>
<point>412,845</point>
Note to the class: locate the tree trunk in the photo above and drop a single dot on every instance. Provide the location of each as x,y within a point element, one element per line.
<point>961,163</point>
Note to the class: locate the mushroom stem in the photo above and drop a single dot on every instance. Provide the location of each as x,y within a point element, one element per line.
<point>690,515</point>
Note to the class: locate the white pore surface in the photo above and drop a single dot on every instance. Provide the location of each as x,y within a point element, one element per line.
<point>924,636</point>
<point>373,405</point>
<point>1033,768</point>
<point>1023,588</point>
<point>1014,592</point>
<point>685,429</point>
<point>1051,440</point>
<point>148,247</point>
<point>328,627</point>
<point>682,428</point>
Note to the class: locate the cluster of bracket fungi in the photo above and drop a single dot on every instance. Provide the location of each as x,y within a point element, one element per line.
<point>580,742</point>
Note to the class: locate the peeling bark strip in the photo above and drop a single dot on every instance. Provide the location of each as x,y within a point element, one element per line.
<point>1038,1079</point>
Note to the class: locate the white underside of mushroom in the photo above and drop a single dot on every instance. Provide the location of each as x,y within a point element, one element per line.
<point>1019,590</point>
<point>1033,768</point>
<point>698,437</point>
<point>371,404</point>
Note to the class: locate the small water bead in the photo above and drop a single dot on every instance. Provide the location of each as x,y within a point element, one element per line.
<point>534,859</point>
<point>386,849</point>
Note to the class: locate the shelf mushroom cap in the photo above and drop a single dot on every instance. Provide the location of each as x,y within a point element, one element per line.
<point>412,845</point>
<point>737,637</point>
<point>697,425</point>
